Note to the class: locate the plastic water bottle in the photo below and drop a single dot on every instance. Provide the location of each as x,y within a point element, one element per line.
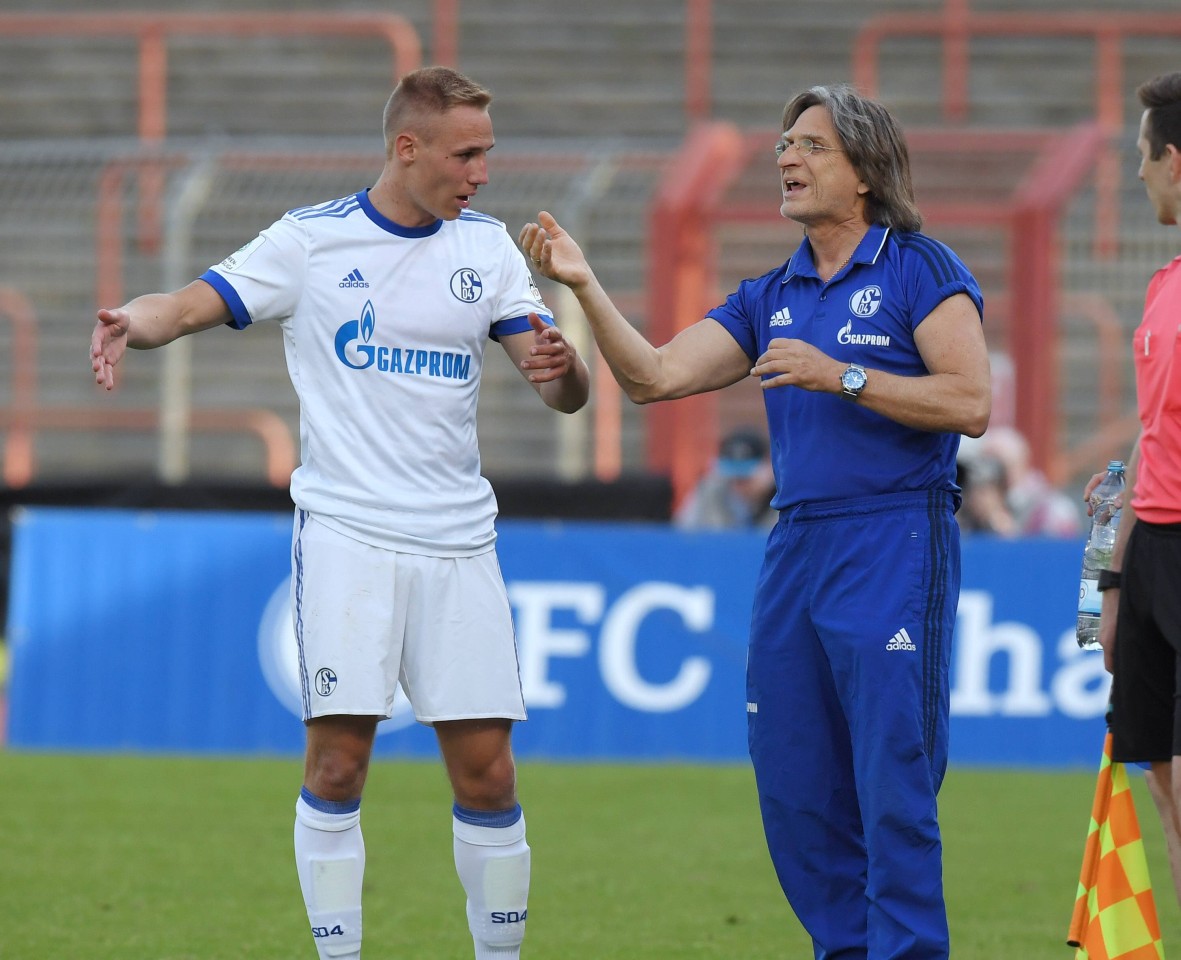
<point>1105,504</point>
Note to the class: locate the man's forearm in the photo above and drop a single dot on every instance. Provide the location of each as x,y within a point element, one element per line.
<point>569,393</point>
<point>634,362</point>
<point>155,321</point>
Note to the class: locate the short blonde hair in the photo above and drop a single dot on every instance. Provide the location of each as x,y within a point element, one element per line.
<point>427,93</point>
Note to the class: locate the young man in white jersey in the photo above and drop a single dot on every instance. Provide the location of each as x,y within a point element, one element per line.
<point>386,299</point>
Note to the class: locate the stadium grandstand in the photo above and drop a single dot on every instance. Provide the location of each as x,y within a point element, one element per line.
<point>140,147</point>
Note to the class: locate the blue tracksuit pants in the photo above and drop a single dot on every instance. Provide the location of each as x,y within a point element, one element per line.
<point>847,689</point>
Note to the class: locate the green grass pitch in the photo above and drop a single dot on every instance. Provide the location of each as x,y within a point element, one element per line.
<point>117,857</point>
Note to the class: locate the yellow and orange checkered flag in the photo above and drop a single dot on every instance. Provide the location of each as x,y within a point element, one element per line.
<point>1114,914</point>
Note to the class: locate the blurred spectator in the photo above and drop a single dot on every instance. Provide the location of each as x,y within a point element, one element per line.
<point>1037,507</point>
<point>738,489</point>
<point>986,506</point>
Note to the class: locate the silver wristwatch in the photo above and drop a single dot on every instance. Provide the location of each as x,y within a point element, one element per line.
<point>853,381</point>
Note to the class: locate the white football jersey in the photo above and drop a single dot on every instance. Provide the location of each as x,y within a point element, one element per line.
<point>384,330</point>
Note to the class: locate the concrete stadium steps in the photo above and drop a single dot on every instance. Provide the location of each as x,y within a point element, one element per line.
<point>603,77</point>
<point>1067,6</point>
<point>326,87</point>
<point>612,68</point>
<point>1019,80</point>
<point>66,87</point>
<point>766,52</point>
<point>240,91</point>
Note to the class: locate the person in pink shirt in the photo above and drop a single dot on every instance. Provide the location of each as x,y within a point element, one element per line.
<point>1140,626</point>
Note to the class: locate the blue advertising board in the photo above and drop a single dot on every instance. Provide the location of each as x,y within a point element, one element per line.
<point>170,631</point>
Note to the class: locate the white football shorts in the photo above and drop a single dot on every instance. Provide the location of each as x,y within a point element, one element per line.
<point>367,618</point>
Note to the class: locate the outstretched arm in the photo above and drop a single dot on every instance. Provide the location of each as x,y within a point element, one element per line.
<point>700,358</point>
<point>551,364</point>
<point>152,321</point>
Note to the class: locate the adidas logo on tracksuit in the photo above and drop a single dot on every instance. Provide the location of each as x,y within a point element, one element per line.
<point>781,318</point>
<point>901,641</point>
<point>354,279</point>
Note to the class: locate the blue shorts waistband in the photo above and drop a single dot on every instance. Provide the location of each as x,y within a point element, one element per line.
<point>879,503</point>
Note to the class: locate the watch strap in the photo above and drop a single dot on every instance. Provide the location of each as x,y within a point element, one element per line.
<point>1109,579</point>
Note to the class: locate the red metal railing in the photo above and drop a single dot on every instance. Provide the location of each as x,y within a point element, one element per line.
<point>22,417</point>
<point>698,50</point>
<point>682,263</point>
<point>266,425</point>
<point>698,59</point>
<point>957,25</point>
<point>152,31</point>
<point>22,399</point>
<point>445,33</point>
<point>1035,260</point>
<point>1112,431</point>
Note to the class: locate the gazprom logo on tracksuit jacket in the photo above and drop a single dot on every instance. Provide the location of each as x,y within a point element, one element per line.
<point>354,350</point>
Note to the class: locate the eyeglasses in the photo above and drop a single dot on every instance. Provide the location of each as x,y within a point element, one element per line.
<point>805,146</point>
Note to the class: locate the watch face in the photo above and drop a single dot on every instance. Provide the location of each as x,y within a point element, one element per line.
<point>853,380</point>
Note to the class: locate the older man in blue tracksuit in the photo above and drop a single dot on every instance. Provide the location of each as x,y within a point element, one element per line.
<point>869,347</point>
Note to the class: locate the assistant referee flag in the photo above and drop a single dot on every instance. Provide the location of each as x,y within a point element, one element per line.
<point>1114,914</point>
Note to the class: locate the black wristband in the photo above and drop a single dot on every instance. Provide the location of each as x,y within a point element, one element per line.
<point>1109,579</point>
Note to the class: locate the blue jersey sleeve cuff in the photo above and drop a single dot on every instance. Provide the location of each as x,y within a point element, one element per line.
<point>971,290</point>
<point>241,316</point>
<point>506,328</point>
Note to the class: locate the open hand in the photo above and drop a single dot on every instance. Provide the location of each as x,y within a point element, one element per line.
<point>553,252</point>
<point>108,343</point>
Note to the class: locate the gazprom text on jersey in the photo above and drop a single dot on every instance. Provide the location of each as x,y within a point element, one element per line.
<point>431,363</point>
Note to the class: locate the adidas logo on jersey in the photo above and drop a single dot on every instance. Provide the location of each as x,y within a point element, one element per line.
<point>781,318</point>
<point>354,279</point>
<point>901,641</point>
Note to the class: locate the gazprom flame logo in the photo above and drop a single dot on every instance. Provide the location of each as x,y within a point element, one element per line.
<point>361,354</point>
<point>354,350</point>
<point>846,335</point>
